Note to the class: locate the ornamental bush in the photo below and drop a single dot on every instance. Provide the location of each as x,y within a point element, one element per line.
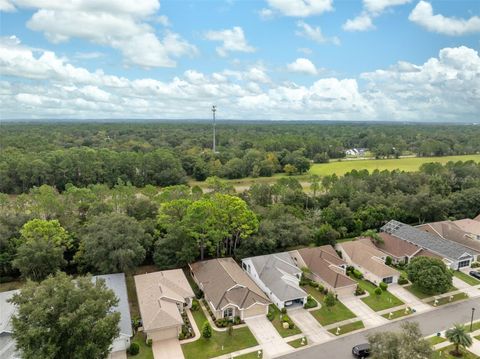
<point>206,330</point>
<point>383,286</point>
<point>134,349</point>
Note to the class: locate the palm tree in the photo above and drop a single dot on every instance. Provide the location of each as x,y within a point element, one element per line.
<point>459,336</point>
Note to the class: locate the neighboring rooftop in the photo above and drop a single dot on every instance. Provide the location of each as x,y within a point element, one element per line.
<point>396,247</point>
<point>477,218</point>
<point>469,225</point>
<point>322,261</point>
<point>158,293</point>
<point>363,252</point>
<point>224,282</point>
<point>434,243</point>
<point>116,282</point>
<point>7,310</point>
<point>274,271</point>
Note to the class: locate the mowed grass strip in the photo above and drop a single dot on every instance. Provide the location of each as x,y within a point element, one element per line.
<point>325,316</point>
<point>466,278</point>
<point>347,328</point>
<point>397,314</point>
<point>380,302</point>
<point>411,164</point>
<point>297,343</point>
<point>446,300</point>
<point>444,353</point>
<point>436,340</point>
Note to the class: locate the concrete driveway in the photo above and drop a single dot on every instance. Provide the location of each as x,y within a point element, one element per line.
<point>267,336</point>
<point>309,326</point>
<point>167,349</point>
<point>366,314</point>
<point>408,298</point>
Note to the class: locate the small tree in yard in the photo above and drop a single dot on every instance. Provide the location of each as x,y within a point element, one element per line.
<point>329,300</point>
<point>206,330</point>
<point>230,329</point>
<point>378,291</point>
<point>459,337</point>
<point>430,275</point>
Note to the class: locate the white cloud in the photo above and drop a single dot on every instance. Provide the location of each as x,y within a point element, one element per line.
<point>423,15</point>
<point>305,50</point>
<point>164,20</point>
<point>315,34</point>
<point>371,9</point>
<point>232,40</point>
<point>121,25</point>
<point>362,22</point>
<point>301,8</point>
<point>303,65</point>
<point>88,55</point>
<point>266,14</point>
<point>442,88</point>
<point>6,6</point>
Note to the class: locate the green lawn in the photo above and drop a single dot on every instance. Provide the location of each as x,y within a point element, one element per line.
<point>466,278</point>
<point>445,354</point>
<point>297,343</point>
<point>252,355</point>
<point>396,314</point>
<point>436,340</point>
<point>277,323</point>
<point>406,164</point>
<point>475,326</point>
<point>326,316</point>
<point>199,317</point>
<point>344,329</point>
<point>446,300</point>
<point>132,297</point>
<point>378,302</point>
<point>145,351</point>
<point>477,337</point>
<point>202,348</point>
<point>420,295</point>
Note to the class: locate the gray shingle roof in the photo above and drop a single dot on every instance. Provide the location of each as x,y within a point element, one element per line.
<point>116,282</point>
<point>272,268</point>
<point>436,244</point>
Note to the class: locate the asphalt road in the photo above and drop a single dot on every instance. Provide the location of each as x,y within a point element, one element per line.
<point>430,322</point>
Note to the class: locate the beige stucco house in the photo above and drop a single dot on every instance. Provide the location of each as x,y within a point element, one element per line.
<point>162,297</point>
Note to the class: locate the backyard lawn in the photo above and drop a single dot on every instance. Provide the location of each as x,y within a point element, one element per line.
<point>203,348</point>
<point>446,300</point>
<point>347,328</point>
<point>466,278</point>
<point>378,302</point>
<point>145,351</point>
<point>396,314</point>
<point>277,323</point>
<point>325,315</point>
<point>445,354</point>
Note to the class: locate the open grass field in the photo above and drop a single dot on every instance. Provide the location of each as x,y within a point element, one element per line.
<point>410,164</point>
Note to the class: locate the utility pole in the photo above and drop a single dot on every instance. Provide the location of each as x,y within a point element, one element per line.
<point>214,108</point>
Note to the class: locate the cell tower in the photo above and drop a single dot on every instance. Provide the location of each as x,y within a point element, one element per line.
<point>214,109</point>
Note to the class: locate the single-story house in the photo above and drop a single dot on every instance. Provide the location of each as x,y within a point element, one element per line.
<point>162,297</point>
<point>455,255</point>
<point>7,343</point>
<point>399,250</point>
<point>278,276</point>
<point>463,231</point>
<point>228,291</point>
<point>325,267</point>
<point>116,282</point>
<point>365,257</point>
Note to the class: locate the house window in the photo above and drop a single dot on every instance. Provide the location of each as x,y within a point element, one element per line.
<point>228,313</point>
<point>244,265</point>
<point>387,280</point>
<point>464,263</point>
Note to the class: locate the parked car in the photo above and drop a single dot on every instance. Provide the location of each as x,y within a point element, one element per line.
<point>361,350</point>
<point>475,274</point>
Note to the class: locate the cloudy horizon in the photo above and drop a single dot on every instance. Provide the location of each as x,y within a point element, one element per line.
<point>378,60</point>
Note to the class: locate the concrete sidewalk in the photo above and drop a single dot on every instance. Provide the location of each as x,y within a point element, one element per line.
<point>267,336</point>
<point>408,298</point>
<point>309,326</point>
<point>367,315</point>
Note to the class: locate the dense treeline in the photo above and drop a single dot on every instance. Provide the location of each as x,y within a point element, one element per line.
<point>100,229</point>
<point>165,154</point>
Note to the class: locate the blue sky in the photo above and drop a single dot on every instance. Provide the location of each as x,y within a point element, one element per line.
<point>286,59</point>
